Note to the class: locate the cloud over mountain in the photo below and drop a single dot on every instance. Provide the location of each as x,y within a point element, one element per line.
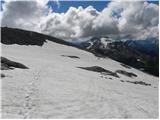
<point>23,14</point>
<point>121,20</point>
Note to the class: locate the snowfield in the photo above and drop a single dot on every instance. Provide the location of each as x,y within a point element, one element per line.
<point>54,86</point>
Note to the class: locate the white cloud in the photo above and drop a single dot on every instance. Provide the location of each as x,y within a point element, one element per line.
<point>76,22</point>
<point>23,14</point>
<point>138,18</point>
<point>122,20</point>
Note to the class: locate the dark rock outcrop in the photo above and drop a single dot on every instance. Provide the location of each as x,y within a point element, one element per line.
<point>71,56</point>
<point>100,70</point>
<point>139,82</point>
<point>24,37</point>
<point>2,75</point>
<point>7,64</point>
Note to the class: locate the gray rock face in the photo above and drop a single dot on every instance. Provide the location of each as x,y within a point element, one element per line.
<point>7,64</point>
<point>23,37</point>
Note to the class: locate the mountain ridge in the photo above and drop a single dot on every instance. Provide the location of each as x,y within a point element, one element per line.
<point>140,54</point>
<point>25,37</point>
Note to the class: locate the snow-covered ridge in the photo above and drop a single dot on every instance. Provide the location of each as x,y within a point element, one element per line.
<point>54,86</point>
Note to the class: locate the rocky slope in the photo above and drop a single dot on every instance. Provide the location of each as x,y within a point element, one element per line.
<point>141,54</point>
<point>23,37</point>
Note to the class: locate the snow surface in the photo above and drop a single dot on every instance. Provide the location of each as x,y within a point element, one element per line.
<point>53,86</point>
<point>105,41</point>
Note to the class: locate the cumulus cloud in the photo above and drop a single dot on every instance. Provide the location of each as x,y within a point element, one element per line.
<point>23,14</point>
<point>120,20</point>
<point>76,22</point>
<point>79,22</point>
<point>138,18</point>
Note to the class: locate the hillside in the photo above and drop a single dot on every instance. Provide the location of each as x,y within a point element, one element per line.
<point>140,54</point>
<point>22,37</point>
<point>65,82</point>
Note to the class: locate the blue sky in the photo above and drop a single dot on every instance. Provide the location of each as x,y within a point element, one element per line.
<point>98,5</point>
<point>64,5</point>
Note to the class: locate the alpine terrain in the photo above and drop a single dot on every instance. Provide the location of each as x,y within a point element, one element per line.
<point>45,77</point>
